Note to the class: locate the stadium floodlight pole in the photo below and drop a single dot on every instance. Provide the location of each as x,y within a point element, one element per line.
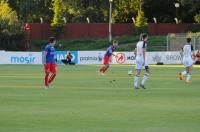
<point>110,21</point>
<point>177,5</point>
<point>155,20</point>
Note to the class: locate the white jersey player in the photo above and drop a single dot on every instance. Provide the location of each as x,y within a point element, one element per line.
<point>141,61</point>
<point>188,53</point>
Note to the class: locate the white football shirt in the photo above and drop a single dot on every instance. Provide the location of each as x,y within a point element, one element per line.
<point>187,50</point>
<point>141,45</point>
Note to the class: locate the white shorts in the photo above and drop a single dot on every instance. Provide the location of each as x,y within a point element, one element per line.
<point>187,61</point>
<point>139,63</point>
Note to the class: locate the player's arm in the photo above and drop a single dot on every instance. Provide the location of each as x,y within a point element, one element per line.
<point>45,56</point>
<point>193,53</point>
<point>181,52</point>
<point>111,52</point>
<point>144,52</point>
<point>144,55</point>
<point>135,51</point>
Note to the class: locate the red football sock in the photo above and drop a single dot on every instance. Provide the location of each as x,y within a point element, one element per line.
<point>46,79</point>
<point>102,69</point>
<point>52,78</point>
<point>105,69</point>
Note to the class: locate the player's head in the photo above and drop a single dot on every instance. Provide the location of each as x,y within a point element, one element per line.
<point>144,37</point>
<point>189,40</point>
<point>52,40</point>
<point>115,43</point>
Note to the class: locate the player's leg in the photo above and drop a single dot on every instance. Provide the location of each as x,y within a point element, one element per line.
<point>47,72</point>
<point>138,68</point>
<point>184,72</point>
<point>189,73</point>
<point>53,70</point>
<point>188,64</point>
<point>136,78</point>
<point>104,68</point>
<point>101,69</point>
<point>145,76</point>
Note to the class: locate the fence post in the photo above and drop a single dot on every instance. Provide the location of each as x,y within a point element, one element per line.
<point>167,42</point>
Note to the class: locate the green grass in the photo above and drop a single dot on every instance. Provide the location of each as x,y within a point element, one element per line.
<point>82,101</point>
<point>126,43</point>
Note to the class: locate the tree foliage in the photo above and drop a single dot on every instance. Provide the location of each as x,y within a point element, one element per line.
<point>58,21</point>
<point>98,10</point>
<point>197,18</point>
<point>32,10</point>
<point>10,27</point>
<point>188,9</point>
<point>124,10</point>
<point>141,20</point>
<point>9,23</point>
<point>79,10</point>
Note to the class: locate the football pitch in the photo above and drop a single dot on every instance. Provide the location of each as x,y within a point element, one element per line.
<point>80,100</point>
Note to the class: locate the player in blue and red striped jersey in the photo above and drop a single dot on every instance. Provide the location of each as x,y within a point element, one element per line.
<point>108,56</point>
<point>50,62</point>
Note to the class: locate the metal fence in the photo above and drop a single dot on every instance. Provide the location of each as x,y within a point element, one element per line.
<point>176,41</point>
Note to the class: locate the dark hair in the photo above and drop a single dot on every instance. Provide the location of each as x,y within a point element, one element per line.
<point>189,40</point>
<point>144,36</point>
<point>52,39</point>
<point>115,42</point>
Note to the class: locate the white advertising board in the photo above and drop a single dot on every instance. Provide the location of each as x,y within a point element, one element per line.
<point>90,57</point>
<point>152,58</point>
<point>165,57</point>
<point>2,59</point>
<point>22,58</point>
<point>123,58</point>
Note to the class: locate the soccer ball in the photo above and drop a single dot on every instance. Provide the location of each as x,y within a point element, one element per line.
<point>130,72</point>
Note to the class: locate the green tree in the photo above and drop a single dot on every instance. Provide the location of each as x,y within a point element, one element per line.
<point>73,11</point>
<point>79,10</point>
<point>188,9</point>
<point>197,18</point>
<point>8,17</point>
<point>165,11</point>
<point>32,10</point>
<point>124,10</point>
<point>58,21</point>
<point>141,20</point>
<point>11,31</point>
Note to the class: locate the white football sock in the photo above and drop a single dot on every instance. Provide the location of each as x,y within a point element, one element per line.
<point>145,77</point>
<point>188,77</point>
<point>136,81</point>
<point>184,73</point>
